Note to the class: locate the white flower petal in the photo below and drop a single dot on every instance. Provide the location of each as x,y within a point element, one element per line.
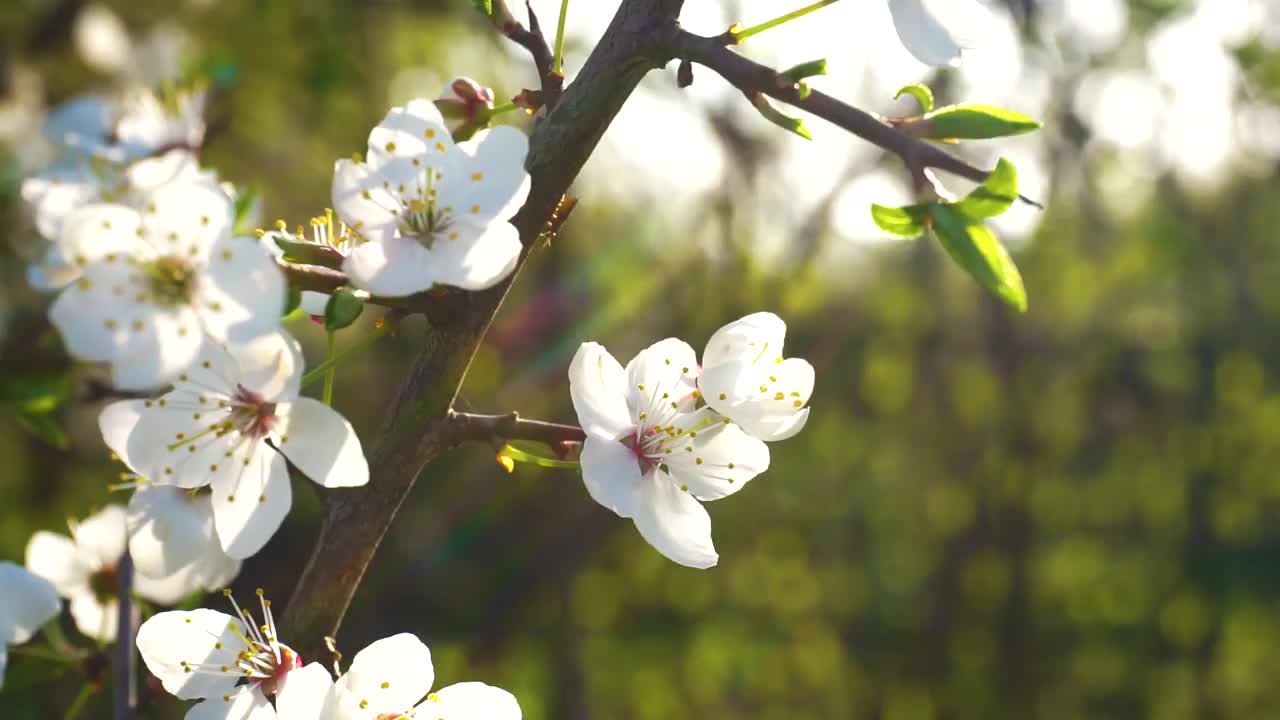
<point>321,443</point>
<point>171,442</point>
<point>314,303</point>
<point>157,346</point>
<point>187,219</point>
<point>470,701</point>
<point>394,267</point>
<point>243,703</point>
<point>55,558</point>
<point>362,202</point>
<point>766,399</point>
<point>27,602</point>
<point>388,677</point>
<point>175,166</point>
<point>935,32</point>
<point>416,130</point>
<point>746,339</point>
<point>242,292</point>
<point>102,537</point>
<point>95,231</point>
<point>270,365</point>
<point>4,662</point>
<point>93,322</point>
<point>94,619</point>
<point>168,529</point>
<point>674,523</point>
<point>598,387</point>
<point>493,185</point>
<point>661,379</point>
<point>474,257</point>
<point>170,641</point>
<point>303,693</point>
<point>249,507</point>
<point>611,472</point>
<point>723,460</point>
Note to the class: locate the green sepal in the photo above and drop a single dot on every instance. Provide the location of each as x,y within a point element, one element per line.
<point>484,7</point>
<point>775,116</point>
<point>343,308</point>
<point>293,301</point>
<point>806,70</point>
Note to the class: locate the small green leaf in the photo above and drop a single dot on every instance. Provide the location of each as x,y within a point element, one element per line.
<point>806,70</point>
<point>28,670</point>
<point>534,453</point>
<point>45,427</point>
<point>977,250</point>
<point>245,202</point>
<point>993,197</point>
<point>36,391</point>
<point>973,121</point>
<point>777,117</point>
<point>920,92</point>
<point>909,221</point>
<point>343,308</point>
<point>484,7</point>
<point>307,253</point>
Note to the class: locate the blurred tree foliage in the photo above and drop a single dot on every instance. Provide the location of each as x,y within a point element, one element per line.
<point>1065,514</point>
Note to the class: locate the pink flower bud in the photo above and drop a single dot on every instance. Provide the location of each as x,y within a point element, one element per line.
<point>465,104</point>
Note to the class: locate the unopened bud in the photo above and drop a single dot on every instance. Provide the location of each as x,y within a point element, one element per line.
<point>465,105</point>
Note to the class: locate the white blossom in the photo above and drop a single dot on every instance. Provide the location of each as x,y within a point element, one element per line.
<point>434,212</point>
<point>938,32</point>
<point>229,422</point>
<point>61,189</point>
<point>27,602</point>
<point>390,678</point>
<point>233,664</point>
<point>651,454</point>
<point>745,377</point>
<point>83,569</point>
<point>155,281</point>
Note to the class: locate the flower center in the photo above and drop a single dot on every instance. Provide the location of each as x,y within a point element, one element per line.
<point>103,584</point>
<point>171,279</point>
<point>253,415</point>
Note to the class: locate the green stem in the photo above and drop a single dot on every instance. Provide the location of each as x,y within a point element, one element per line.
<point>502,109</point>
<point>740,35</point>
<point>330,375</point>
<point>78,704</point>
<point>43,654</point>
<point>558,62</point>
<point>319,371</point>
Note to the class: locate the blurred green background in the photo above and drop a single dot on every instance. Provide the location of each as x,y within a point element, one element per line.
<point>1066,514</point>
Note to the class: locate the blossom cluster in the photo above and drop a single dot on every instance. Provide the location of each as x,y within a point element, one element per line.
<point>156,274</point>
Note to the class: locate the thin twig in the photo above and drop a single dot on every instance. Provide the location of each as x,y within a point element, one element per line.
<point>752,78</point>
<point>534,41</point>
<point>125,695</point>
<point>476,427</point>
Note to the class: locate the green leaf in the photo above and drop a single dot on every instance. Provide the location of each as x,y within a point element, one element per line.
<point>806,70</point>
<point>977,250</point>
<point>909,221</point>
<point>36,391</point>
<point>27,670</point>
<point>534,453</point>
<point>973,121</point>
<point>342,309</point>
<point>484,7</point>
<point>244,204</point>
<point>777,117</point>
<point>993,197</point>
<point>920,92</point>
<point>45,427</point>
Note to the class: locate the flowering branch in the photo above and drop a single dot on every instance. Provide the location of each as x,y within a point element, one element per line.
<point>470,426</point>
<point>756,80</point>
<point>417,429</point>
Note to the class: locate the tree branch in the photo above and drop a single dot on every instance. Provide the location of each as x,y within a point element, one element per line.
<point>125,664</point>
<point>471,426</point>
<point>534,41</point>
<point>638,40</point>
<point>753,79</point>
